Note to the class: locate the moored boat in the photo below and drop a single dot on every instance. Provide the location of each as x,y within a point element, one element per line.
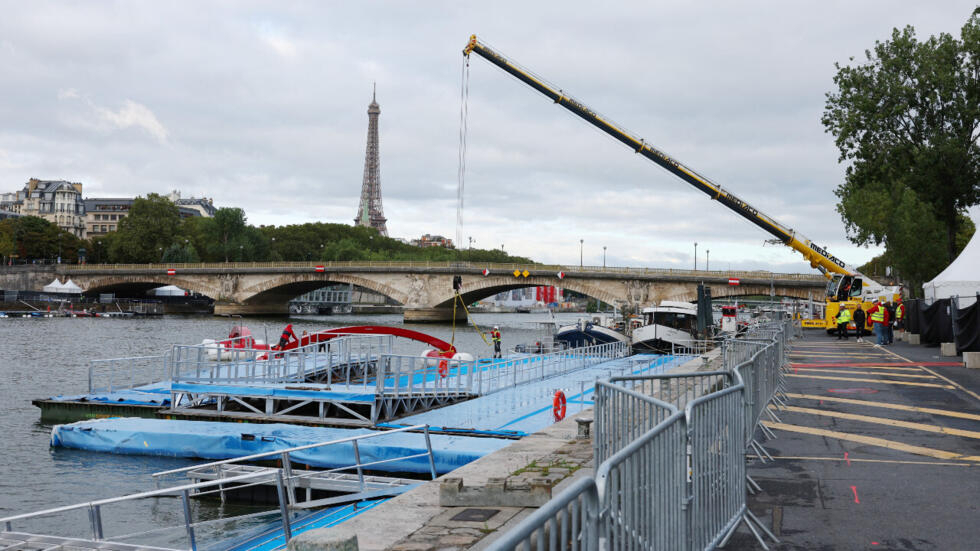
<point>664,326</point>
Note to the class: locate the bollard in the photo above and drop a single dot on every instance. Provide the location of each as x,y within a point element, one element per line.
<point>584,426</point>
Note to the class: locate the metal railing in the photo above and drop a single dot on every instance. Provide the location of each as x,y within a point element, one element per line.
<point>670,454</point>
<point>495,375</point>
<point>284,478</point>
<point>95,509</point>
<point>300,454</point>
<point>343,359</point>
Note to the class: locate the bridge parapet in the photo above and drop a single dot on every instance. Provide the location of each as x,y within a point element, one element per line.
<point>461,267</point>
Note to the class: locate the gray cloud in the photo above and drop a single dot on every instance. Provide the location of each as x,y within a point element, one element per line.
<point>263,106</point>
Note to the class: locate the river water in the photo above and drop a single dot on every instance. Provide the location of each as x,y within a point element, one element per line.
<point>40,358</point>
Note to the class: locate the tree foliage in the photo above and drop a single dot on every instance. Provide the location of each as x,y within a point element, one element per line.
<point>29,238</point>
<point>148,229</point>
<point>908,122</point>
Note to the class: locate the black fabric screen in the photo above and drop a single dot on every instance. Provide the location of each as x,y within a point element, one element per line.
<point>913,316</point>
<point>968,328</point>
<point>937,324</point>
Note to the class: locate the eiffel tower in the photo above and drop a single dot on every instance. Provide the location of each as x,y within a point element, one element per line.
<point>369,212</point>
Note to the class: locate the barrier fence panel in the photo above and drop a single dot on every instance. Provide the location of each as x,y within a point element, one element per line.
<point>717,462</point>
<point>622,416</point>
<point>677,390</point>
<point>569,521</point>
<point>643,489</point>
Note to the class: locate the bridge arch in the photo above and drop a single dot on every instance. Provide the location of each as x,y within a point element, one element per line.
<point>285,287</point>
<point>479,289</point>
<point>143,283</point>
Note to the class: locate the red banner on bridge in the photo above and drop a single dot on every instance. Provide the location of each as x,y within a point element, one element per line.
<point>171,271</point>
<point>733,281</point>
<point>318,268</point>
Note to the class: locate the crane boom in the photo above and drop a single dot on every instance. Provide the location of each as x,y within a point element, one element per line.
<point>817,256</point>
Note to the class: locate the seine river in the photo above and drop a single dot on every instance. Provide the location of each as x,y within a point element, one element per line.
<point>40,358</point>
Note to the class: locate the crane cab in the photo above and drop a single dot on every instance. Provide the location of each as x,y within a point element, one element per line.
<point>844,287</point>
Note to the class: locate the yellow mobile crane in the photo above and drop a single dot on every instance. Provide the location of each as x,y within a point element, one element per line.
<point>846,286</point>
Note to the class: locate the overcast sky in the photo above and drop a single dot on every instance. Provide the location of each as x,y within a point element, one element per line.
<point>262,105</point>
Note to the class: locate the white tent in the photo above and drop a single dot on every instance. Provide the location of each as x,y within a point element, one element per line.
<point>54,287</point>
<point>961,278</point>
<point>71,287</point>
<point>168,291</point>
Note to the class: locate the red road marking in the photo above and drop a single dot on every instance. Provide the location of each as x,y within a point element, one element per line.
<point>852,390</point>
<point>848,462</point>
<point>855,490</point>
<point>881,364</point>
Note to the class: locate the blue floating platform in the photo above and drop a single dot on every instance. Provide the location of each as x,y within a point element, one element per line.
<point>217,440</point>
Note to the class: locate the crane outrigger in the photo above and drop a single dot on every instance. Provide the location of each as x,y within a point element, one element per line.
<point>847,287</point>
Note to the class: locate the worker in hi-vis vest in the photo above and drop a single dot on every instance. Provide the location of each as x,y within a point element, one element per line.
<point>877,315</point>
<point>495,336</point>
<point>843,318</point>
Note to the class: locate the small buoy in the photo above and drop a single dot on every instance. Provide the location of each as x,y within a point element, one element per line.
<point>558,405</point>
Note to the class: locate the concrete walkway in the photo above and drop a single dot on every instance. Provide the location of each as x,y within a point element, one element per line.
<point>878,449</point>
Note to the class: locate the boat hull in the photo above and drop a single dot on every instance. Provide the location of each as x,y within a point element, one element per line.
<point>658,339</point>
<point>578,335</point>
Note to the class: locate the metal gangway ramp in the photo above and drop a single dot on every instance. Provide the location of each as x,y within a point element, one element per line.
<point>366,393</point>
<point>295,512</point>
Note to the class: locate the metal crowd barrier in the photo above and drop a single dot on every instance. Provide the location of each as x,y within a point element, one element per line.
<point>670,454</point>
<point>622,416</point>
<point>642,489</point>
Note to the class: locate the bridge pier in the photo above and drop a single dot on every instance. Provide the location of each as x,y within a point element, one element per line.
<point>222,308</point>
<point>432,315</point>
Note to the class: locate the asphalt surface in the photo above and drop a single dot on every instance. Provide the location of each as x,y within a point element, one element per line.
<point>879,449</point>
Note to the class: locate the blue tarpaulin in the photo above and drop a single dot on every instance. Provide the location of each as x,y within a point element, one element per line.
<point>215,440</point>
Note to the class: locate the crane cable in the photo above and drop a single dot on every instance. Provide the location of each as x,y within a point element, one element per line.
<point>464,95</point>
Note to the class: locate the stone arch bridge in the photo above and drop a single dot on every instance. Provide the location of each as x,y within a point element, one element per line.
<point>423,288</point>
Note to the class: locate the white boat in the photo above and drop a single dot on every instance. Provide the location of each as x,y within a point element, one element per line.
<point>588,332</point>
<point>670,323</point>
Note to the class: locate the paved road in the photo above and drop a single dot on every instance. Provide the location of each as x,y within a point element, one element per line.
<point>879,449</point>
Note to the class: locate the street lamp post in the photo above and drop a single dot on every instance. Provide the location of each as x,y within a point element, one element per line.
<point>695,256</point>
<point>603,257</point>
<point>581,247</point>
<point>707,260</point>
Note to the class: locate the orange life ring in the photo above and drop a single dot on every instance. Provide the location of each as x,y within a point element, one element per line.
<point>558,405</point>
<point>443,368</point>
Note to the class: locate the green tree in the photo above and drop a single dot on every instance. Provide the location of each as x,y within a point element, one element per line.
<point>225,233</point>
<point>907,121</point>
<point>147,230</point>
<point>33,238</point>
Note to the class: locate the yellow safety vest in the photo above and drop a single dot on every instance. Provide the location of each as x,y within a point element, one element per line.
<point>844,316</point>
<point>900,312</point>
<point>878,315</point>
